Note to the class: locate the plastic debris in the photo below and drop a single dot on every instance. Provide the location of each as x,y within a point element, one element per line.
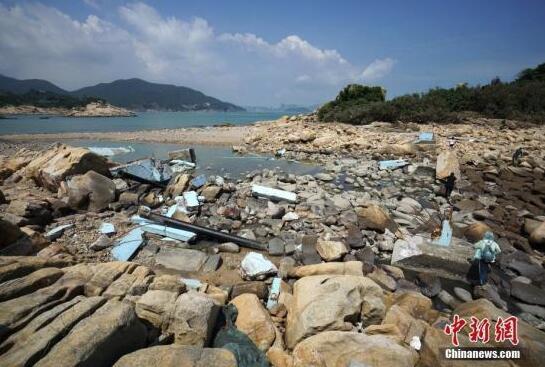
<point>425,137</point>
<point>145,170</point>
<point>162,230</point>
<point>56,232</point>
<point>274,293</point>
<point>274,194</point>
<point>126,247</point>
<point>243,348</point>
<point>280,152</point>
<point>107,228</point>
<point>446,235</point>
<point>392,164</point>
<point>415,343</point>
<point>192,283</point>
<point>256,266</point>
<point>198,181</point>
<point>177,165</point>
<point>191,199</point>
<point>109,152</point>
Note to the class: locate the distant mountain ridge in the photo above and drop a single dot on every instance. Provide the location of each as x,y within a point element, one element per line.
<point>134,94</point>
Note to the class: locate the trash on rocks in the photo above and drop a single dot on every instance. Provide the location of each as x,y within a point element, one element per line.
<point>274,293</point>
<point>192,283</point>
<point>446,235</point>
<point>198,181</point>
<point>126,247</point>
<point>148,170</point>
<point>416,343</point>
<point>392,164</point>
<point>107,228</point>
<point>425,137</point>
<point>191,199</point>
<point>163,230</point>
<point>184,155</point>
<point>56,232</point>
<point>274,194</point>
<point>109,152</point>
<point>256,266</point>
<point>177,165</point>
<point>222,236</point>
<point>243,348</point>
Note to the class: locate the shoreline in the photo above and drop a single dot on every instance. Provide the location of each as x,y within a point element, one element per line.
<point>217,135</point>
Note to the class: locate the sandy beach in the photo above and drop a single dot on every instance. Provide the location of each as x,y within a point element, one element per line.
<point>218,135</point>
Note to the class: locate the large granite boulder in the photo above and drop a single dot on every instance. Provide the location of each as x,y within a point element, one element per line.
<point>344,349</point>
<point>447,163</point>
<point>332,302</point>
<point>61,161</point>
<point>91,191</point>
<point>178,356</point>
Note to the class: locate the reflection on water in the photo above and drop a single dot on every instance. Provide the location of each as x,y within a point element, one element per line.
<point>210,159</point>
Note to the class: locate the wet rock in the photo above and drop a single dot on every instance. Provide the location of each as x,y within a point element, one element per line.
<point>528,293</point>
<point>357,350</point>
<point>475,232</point>
<point>332,302</point>
<point>53,166</point>
<point>374,217</point>
<point>429,284</point>
<point>178,356</point>
<point>254,321</point>
<point>192,319</point>
<point>91,191</point>
<point>331,250</point>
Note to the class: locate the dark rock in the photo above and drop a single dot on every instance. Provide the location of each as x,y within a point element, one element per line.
<point>212,263</point>
<point>310,255</point>
<point>367,257</point>
<point>35,211</point>
<point>260,289</point>
<point>528,293</point>
<point>354,238</point>
<point>489,292</point>
<point>276,246</point>
<point>429,284</point>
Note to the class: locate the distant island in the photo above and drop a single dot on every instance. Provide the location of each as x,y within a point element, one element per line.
<point>127,94</point>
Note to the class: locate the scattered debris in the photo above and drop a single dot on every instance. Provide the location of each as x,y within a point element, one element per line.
<point>147,170</point>
<point>57,232</point>
<point>163,230</point>
<point>110,152</point>
<point>392,164</point>
<point>446,235</point>
<point>198,181</point>
<point>107,228</point>
<point>274,293</point>
<point>274,194</point>
<point>256,266</point>
<point>126,247</point>
<point>191,199</point>
<point>425,137</point>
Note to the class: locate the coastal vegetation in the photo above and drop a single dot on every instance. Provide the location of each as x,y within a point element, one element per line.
<point>44,99</point>
<point>522,99</point>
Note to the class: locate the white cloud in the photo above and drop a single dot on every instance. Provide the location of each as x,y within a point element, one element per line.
<point>378,69</point>
<point>40,41</point>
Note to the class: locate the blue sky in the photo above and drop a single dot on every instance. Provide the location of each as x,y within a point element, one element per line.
<point>267,53</point>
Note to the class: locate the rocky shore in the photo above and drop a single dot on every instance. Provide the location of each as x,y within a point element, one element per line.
<point>354,275</point>
<point>93,109</point>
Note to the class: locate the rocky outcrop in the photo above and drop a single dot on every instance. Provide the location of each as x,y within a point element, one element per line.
<point>98,109</point>
<point>332,302</point>
<point>91,191</point>
<point>179,356</point>
<point>61,161</point>
<point>337,348</point>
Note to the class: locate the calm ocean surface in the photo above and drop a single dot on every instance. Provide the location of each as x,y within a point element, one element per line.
<point>144,121</point>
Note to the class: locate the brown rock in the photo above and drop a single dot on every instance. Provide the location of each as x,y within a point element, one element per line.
<point>254,320</point>
<point>475,232</point>
<point>54,165</point>
<point>537,237</point>
<point>337,348</point>
<point>19,287</point>
<point>344,268</point>
<point>10,233</point>
<point>210,193</point>
<point>331,250</point>
<point>374,217</point>
<point>155,305</point>
<point>91,191</point>
<point>177,185</point>
<point>178,356</point>
<point>447,163</point>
